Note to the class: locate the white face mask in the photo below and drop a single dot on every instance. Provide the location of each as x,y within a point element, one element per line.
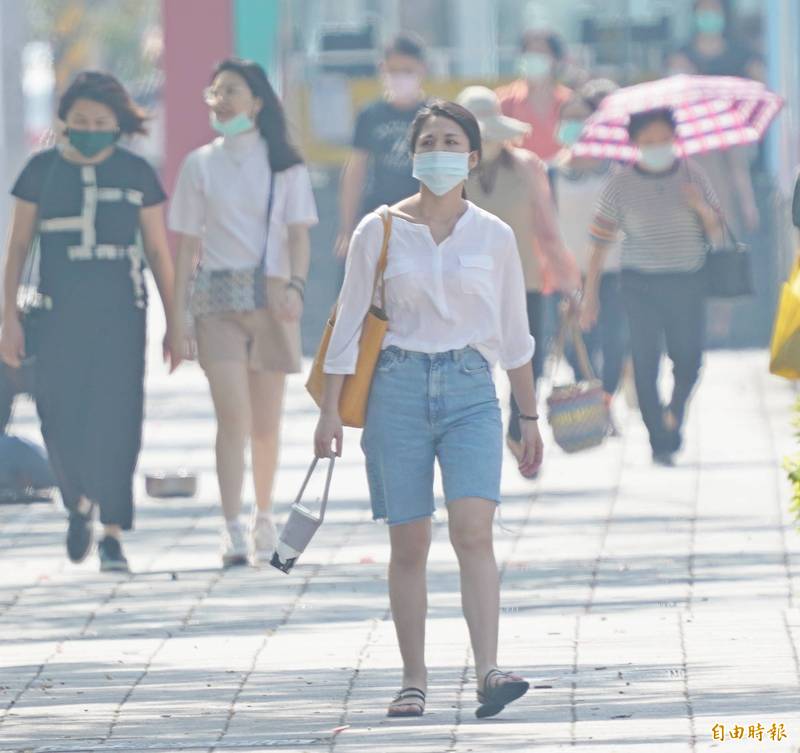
<point>403,87</point>
<point>657,158</point>
<point>535,65</point>
<point>441,171</point>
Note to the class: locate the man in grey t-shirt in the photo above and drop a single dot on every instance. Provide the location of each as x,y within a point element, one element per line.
<point>379,168</point>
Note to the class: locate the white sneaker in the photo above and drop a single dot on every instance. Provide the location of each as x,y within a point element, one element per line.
<point>234,545</point>
<point>264,537</point>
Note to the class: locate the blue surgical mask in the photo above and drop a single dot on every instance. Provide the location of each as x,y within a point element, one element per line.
<point>569,132</point>
<point>709,22</point>
<point>233,127</point>
<point>535,65</point>
<point>657,158</point>
<point>441,171</point>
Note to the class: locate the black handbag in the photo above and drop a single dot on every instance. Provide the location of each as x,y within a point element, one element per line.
<point>728,270</point>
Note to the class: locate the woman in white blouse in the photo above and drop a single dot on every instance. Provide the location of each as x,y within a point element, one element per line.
<point>227,194</point>
<point>455,299</point>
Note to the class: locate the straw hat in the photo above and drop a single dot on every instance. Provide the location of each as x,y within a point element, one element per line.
<point>485,106</point>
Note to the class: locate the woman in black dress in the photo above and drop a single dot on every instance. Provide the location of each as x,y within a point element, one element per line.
<point>90,201</point>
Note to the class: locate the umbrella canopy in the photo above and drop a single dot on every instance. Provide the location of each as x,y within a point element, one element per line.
<point>712,113</point>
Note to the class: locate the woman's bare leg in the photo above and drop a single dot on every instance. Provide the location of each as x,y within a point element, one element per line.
<point>230,392</point>
<point>408,595</point>
<point>470,524</point>
<point>266,400</point>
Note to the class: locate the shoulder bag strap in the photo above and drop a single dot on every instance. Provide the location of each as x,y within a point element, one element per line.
<point>383,259</point>
<point>270,202</point>
<point>379,269</point>
<point>205,179</point>
<point>726,228</point>
<point>583,354</point>
<point>569,325</point>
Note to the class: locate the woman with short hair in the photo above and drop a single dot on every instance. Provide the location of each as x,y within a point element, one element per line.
<point>89,200</point>
<point>666,212</point>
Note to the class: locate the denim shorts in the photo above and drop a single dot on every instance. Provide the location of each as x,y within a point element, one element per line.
<point>424,407</point>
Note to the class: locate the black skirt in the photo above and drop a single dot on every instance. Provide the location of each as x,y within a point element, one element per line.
<point>90,399</point>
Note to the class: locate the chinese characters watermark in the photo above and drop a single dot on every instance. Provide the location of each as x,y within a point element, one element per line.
<point>776,732</point>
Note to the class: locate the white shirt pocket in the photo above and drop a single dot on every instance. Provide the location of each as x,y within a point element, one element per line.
<point>475,273</point>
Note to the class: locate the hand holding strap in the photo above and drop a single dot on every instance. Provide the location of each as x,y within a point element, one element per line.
<point>569,322</point>
<point>324,501</point>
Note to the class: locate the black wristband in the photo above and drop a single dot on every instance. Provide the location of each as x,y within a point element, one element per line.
<point>523,417</point>
<point>299,288</point>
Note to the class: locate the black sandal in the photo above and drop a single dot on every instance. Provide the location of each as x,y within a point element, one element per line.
<point>494,699</point>
<point>408,697</point>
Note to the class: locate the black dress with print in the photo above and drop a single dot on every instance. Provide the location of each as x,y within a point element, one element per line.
<point>91,347</point>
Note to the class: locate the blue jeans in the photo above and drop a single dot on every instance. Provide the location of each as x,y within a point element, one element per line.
<point>665,309</point>
<point>427,407</point>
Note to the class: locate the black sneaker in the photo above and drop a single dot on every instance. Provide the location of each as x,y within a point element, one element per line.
<point>79,536</point>
<point>111,557</point>
<point>664,459</point>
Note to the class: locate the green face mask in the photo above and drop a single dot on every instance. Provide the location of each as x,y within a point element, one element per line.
<point>569,132</point>
<point>90,143</point>
<point>233,127</point>
<point>709,22</point>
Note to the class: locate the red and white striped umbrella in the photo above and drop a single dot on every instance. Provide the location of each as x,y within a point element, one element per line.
<point>712,113</point>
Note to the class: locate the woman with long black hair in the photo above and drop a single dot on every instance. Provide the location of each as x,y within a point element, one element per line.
<point>244,203</point>
<point>89,200</point>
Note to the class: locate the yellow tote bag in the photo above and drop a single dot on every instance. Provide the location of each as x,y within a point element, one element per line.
<point>785,347</point>
<point>355,392</point>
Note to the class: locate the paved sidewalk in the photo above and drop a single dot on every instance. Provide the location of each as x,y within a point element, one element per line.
<point>647,605</point>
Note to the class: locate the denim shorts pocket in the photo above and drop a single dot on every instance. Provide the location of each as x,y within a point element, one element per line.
<point>388,359</point>
<point>472,362</point>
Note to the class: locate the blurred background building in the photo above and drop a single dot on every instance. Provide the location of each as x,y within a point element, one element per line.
<point>322,56</point>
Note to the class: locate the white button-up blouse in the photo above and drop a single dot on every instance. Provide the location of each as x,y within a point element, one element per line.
<point>466,291</point>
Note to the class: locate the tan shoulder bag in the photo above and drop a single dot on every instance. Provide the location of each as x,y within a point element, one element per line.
<point>355,393</point>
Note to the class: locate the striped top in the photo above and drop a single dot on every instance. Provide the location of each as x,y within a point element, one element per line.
<point>660,231</point>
